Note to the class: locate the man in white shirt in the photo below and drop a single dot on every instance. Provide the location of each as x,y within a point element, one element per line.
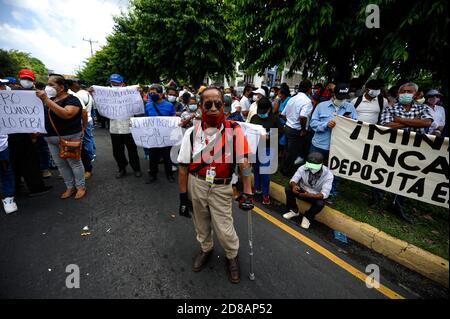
<point>245,101</point>
<point>296,113</point>
<point>370,105</point>
<point>311,183</point>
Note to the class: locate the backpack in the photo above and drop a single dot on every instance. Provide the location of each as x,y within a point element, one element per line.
<point>380,104</point>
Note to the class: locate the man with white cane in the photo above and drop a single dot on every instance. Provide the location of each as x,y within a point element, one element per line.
<point>206,158</point>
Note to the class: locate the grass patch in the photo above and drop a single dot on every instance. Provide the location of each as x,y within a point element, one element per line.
<point>430,230</point>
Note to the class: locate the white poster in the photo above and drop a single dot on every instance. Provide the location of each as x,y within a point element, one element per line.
<point>158,131</point>
<point>118,103</point>
<point>404,163</point>
<point>21,112</point>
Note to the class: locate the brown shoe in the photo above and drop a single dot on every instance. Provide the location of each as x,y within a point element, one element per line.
<point>81,192</point>
<point>68,193</point>
<point>233,270</point>
<point>200,260</point>
<point>87,175</point>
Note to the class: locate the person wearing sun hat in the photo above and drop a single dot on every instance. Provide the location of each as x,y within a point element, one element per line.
<point>311,183</point>
<point>432,99</point>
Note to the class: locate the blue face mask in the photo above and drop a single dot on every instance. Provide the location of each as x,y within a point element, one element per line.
<point>263,116</point>
<point>154,97</point>
<point>405,98</point>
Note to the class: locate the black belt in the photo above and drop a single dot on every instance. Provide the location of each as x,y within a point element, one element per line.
<point>217,181</point>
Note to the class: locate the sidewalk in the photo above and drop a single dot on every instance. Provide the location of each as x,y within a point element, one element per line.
<point>427,264</point>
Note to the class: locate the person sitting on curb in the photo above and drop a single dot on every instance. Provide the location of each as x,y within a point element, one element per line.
<point>311,183</point>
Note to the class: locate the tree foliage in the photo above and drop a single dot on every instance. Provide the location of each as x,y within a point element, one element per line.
<point>12,61</point>
<point>330,37</point>
<point>180,39</point>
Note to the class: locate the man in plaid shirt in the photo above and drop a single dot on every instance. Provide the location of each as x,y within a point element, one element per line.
<point>406,115</point>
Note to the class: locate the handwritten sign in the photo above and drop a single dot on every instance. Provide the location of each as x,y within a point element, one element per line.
<point>155,132</point>
<point>118,103</point>
<point>21,112</point>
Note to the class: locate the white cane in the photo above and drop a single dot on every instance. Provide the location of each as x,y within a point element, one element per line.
<point>250,243</point>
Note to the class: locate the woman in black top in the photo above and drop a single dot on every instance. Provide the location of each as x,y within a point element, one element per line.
<point>65,111</point>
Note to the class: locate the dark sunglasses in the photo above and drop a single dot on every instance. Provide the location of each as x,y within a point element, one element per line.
<point>209,104</point>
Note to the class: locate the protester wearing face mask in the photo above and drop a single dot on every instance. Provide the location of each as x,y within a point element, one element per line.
<point>122,138</point>
<point>192,112</point>
<point>409,116</point>
<point>63,119</point>
<point>371,104</point>
<point>419,98</point>
<point>406,114</point>
<point>269,121</point>
<point>257,95</point>
<point>369,107</point>
<point>323,121</point>
<point>296,113</point>
<point>433,97</point>
<point>245,101</point>
<point>311,183</point>
<point>24,150</point>
<point>172,97</point>
<point>206,165</point>
<point>157,106</point>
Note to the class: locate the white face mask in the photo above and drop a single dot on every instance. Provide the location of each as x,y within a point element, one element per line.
<point>228,94</point>
<point>26,84</point>
<point>272,94</point>
<point>193,107</point>
<point>50,91</point>
<point>374,93</point>
<point>171,98</point>
<point>338,103</point>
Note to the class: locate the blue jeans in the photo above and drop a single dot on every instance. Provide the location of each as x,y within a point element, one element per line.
<point>262,181</point>
<point>325,153</point>
<point>7,179</point>
<point>44,154</point>
<point>88,141</point>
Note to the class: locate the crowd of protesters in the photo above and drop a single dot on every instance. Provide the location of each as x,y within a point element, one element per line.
<point>304,121</point>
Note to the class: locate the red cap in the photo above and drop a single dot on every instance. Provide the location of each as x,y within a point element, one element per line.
<point>25,73</point>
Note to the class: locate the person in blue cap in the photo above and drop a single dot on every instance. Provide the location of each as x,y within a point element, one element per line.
<point>121,137</point>
<point>12,82</point>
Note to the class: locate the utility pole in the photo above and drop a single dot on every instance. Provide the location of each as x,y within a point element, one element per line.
<point>90,42</point>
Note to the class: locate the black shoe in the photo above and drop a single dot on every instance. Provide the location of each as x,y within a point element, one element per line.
<point>137,174</point>
<point>171,179</point>
<point>41,191</point>
<point>121,173</point>
<point>151,179</point>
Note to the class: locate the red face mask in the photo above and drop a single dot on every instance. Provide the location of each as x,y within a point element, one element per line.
<point>214,121</point>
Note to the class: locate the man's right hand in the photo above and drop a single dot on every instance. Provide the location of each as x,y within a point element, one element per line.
<point>185,206</point>
<point>331,124</point>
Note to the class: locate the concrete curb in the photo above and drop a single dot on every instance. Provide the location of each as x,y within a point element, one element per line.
<point>410,256</point>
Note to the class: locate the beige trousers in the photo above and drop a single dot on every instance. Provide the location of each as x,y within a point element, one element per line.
<point>213,211</point>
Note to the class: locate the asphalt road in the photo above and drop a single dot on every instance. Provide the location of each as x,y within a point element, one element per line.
<point>140,247</point>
